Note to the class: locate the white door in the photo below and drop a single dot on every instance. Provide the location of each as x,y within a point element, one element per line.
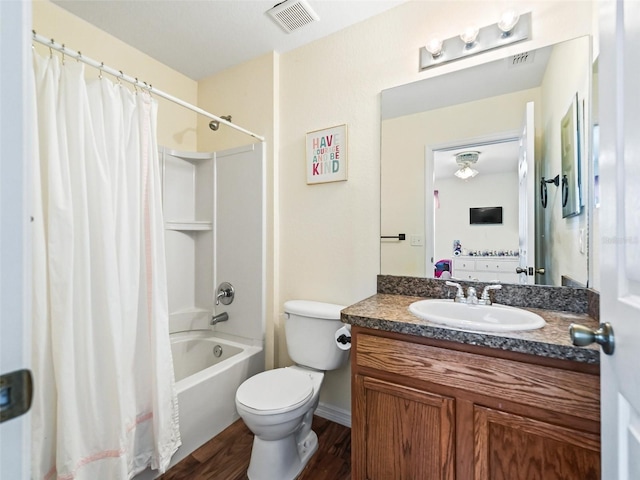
<point>619,159</point>
<point>526,198</point>
<point>429,213</point>
<point>15,138</point>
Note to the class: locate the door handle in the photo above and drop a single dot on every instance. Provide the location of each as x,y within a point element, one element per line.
<point>16,394</point>
<point>530,270</point>
<point>582,336</point>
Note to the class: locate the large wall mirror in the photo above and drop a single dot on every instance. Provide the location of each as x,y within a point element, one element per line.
<point>474,169</point>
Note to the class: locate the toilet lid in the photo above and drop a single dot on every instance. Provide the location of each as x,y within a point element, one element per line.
<point>280,390</point>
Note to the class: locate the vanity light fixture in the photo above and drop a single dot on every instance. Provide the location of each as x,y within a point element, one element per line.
<point>511,28</point>
<point>469,35</point>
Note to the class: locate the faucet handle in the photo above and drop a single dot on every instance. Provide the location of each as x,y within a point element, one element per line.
<point>472,296</point>
<point>459,293</point>
<point>485,299</point>
<point>225,293</point>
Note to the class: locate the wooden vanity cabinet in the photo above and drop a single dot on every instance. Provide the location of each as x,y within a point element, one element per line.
<point>432,410</point>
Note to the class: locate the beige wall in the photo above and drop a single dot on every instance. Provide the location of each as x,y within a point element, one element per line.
<point>329,245</point>
<point>567,74</point>
<point>176,125</point>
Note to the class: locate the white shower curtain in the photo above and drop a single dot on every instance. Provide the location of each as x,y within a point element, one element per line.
<point>105,405</point>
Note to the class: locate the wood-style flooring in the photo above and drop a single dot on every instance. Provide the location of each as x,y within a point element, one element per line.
<point>226,457</point>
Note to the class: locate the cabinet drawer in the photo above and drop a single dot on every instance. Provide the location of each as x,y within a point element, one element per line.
<point>496,265</point>
<point>468,265</point>
<point>564,391</point>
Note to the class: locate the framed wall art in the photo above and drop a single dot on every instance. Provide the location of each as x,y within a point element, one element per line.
<point>571,175</point>
<point>327,155</point>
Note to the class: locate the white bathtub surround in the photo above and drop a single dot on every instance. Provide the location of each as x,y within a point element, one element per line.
<point>105,403</point>
<point>207,384</point>
<point>214,207</point>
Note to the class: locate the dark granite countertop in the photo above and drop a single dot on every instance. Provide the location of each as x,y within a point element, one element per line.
<point>391,313</point>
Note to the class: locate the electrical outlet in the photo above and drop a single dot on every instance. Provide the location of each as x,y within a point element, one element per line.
<point>417,240</point>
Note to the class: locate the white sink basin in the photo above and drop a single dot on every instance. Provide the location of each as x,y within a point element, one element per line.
<point>485,318</point>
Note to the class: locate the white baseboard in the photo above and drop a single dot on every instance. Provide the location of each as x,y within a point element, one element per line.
<point>335,414</point>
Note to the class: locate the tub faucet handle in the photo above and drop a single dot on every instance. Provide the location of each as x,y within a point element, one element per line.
<point>225,293</point>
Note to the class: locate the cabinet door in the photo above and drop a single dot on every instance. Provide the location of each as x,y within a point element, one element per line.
<point>408,434</point>
<point>512,447</point>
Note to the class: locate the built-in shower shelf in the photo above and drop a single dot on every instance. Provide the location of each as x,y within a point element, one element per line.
<point>189,226</point>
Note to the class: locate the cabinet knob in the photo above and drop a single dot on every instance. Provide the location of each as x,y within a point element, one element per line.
<point>603,336</point>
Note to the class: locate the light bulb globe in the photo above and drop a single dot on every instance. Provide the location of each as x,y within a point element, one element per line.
<point>434,47</point>
<point>469,35</point>
<point>508,21</point>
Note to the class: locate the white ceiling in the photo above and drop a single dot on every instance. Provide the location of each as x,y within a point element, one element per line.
<point>202,37</point>
<point>499,157</point>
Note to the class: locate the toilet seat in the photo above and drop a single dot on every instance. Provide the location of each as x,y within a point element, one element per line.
<point>275,391</point>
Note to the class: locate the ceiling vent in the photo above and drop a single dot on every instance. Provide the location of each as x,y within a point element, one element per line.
<point>523,58</point>
<point>293,14</point>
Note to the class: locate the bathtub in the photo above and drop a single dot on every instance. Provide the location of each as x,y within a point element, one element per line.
<point>206,385</point>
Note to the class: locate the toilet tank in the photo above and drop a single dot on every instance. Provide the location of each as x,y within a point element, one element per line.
<point>309,329</point>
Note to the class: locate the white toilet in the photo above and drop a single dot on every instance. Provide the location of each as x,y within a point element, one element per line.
<point>278,405</point>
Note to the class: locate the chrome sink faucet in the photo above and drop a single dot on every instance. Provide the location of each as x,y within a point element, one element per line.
<point>472,296</point>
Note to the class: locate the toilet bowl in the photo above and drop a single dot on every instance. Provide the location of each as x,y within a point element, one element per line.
<point>278,405</point>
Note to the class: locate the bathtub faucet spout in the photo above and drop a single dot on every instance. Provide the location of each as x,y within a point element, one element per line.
<point>221,317</point>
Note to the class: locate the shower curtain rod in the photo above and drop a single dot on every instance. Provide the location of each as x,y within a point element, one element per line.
<point>49,42</point>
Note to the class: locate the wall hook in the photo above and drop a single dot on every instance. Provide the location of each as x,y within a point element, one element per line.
<point>543,188</point>
<point>565,190</point>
